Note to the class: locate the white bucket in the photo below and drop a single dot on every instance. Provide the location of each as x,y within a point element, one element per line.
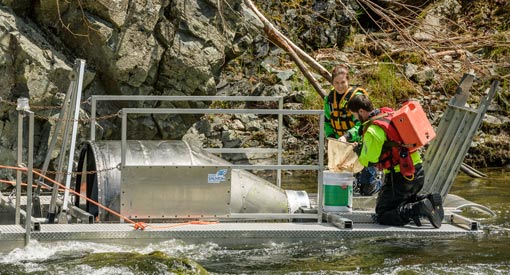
<point>337,191</point>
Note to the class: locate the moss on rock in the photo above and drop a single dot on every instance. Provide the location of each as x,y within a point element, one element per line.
<point>151,263</point>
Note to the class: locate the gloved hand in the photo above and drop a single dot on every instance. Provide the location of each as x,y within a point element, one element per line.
<point>357,148</point>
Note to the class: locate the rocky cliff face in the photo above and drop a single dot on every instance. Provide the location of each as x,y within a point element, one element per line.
<point>141,47</point>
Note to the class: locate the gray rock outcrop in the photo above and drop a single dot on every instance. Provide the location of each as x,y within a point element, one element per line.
<point>140,47</point>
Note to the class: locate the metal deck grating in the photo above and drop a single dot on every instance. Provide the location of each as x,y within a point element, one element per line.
<point>231,231</point>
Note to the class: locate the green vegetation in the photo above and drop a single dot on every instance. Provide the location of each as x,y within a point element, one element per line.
<point>386,87</point>
<point>449,86</point>
<point>221,105</point>
<point>502,12</point>
<point>503,97</point>
<point>312,100</point>
<point>413,57</point>
<point>498,53</point>
<point>152,263</point>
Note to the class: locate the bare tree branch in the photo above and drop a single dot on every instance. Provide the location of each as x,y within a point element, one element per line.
<point>294,51</point>
<point>85,20</point>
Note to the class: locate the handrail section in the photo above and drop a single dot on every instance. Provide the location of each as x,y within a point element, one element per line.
<point>96,98</point>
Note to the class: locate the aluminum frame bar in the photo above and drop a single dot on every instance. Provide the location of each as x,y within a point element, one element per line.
<point>79,88</point>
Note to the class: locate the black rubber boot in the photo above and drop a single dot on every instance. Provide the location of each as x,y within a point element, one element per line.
<point>406,212</point>
<point>423,208</point>
<point>416,220</point>
<point>437,203</point>
<point>436,200</point>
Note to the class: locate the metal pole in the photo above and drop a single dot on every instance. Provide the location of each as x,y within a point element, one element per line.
<point>280,138</point>
<point>54,138</point>
<point>19,164</point>
<point>184,98</point>
<point>28,221</point>
<point>63,148</point>
<point>22,106</point>
<point>52,210</point>
<point>73,136</point>
<point>93,119</point>
<point>321,168</point>
<point>123,142</point>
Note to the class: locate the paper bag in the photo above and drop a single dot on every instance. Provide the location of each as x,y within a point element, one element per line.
<point>342,158</point>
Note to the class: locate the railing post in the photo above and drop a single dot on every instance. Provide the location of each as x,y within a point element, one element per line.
<point>30,177</point>
<point>23,109</point>
<point>93,119</point>
<point>280,140</point>
<point>19,164</point>
<point>321,168</point>
<point>123,142</point>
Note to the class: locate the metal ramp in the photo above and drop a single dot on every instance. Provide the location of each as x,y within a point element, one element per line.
<point>454,135</point>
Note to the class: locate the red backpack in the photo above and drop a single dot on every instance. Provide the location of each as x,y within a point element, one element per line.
<point>407,130</point>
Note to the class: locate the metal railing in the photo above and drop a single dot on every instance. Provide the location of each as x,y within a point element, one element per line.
<point>24,110</point>
<point>97,98</point>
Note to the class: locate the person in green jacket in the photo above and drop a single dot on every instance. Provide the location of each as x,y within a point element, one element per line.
<point>340,124</point>
<point>398,202</point>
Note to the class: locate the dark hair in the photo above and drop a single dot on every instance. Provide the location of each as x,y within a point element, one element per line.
<point>359,102</point>
<point>340,69</point>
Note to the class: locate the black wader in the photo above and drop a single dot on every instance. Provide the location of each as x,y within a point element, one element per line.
<point>395,193</point>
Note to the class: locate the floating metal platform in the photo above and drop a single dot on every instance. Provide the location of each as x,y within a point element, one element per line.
<point>222,233</point>
<point>227,232</point>
<point>128,176</point>
<point>358,224</point>
<point>240,228</point>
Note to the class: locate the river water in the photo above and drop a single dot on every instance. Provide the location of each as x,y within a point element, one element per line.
<point>489,254</point>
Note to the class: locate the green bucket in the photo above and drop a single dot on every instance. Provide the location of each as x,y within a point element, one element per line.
<point>337,191</point>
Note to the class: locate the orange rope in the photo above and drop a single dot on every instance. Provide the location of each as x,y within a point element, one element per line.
<point>136,225</point>
<point>72,191</point>
<point>13,183</point>
<point>181,224</point>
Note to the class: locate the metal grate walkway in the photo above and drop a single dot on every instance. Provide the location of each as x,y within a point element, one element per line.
<point>231,232</point>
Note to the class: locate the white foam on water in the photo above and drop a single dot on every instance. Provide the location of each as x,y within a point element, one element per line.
<point>37,257</point>
<point>37,252</point>
<point>86,269</point>
<point>33,267</point>
<point>34,251</point>
<point>433,269</point>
